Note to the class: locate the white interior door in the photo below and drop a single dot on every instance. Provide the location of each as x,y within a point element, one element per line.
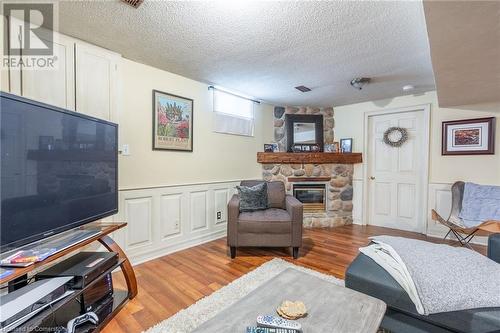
<point>397,177</point>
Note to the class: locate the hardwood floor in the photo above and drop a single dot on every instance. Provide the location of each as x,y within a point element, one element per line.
<point>173,282</point>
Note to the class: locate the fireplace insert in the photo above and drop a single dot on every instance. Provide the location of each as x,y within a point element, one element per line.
<point>313,196</point>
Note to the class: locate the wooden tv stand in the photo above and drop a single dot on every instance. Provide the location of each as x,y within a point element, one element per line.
<point>121,297</point>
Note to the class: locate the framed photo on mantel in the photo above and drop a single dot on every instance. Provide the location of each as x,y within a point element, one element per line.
<point>172,122</point>
<point>469,137</point>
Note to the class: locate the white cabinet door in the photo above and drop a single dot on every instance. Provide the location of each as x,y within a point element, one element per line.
<point>96,86</point>
<point>4,71</point>
<point>13,41</point>
<point>54,86</point>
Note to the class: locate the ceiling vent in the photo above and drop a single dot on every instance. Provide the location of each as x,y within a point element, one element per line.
<point>303,89</point>
<point>360,82</point>
<point>134,3</point>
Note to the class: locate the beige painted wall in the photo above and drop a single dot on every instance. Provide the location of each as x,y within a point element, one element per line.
<point>483,169</point>
<point>215,157</point>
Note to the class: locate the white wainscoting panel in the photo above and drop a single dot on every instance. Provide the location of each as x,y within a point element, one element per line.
<point>198,210</point>
<point>440,201</point>
<point>170,214</point>
<point>138,213</point>
<point>163,220</point>
<point>220,201</point>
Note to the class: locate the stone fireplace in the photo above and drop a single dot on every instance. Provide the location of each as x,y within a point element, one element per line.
<point>322,181</point>
<point>337,182</point>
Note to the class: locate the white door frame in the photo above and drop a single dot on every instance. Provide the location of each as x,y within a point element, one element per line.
<point>426,109</point>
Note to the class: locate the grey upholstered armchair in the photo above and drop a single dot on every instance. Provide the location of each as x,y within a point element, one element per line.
<point>278,226</point>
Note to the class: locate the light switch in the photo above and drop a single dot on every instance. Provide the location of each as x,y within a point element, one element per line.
<point>125,150</point>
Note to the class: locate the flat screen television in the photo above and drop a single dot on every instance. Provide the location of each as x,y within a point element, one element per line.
<point>59,170</point>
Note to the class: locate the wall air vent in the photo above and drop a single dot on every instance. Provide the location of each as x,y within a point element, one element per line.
<point>303,89</point>
<point>133,3</point>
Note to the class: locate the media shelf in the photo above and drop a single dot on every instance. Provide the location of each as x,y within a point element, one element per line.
<point>70,155</point>
<point>55,314</point>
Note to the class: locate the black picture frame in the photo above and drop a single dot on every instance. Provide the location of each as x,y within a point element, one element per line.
<point>155,145</point>
<point>270,147</point>
<point>343,145</point>
<point>291,119</point>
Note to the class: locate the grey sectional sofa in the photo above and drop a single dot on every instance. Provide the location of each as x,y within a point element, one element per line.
<point>365,276</point>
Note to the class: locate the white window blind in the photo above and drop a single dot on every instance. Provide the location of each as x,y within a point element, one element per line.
<point>233,114</point>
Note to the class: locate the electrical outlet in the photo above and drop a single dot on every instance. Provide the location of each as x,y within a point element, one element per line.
<point>219,215</point>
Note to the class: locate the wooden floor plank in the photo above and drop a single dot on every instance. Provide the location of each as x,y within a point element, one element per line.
<point>173,282</point>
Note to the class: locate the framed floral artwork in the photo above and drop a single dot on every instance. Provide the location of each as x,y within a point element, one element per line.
<point>172,122</point>
<point>469,137</point>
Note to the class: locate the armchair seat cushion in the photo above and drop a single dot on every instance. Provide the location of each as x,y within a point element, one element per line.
<point>270,221</point>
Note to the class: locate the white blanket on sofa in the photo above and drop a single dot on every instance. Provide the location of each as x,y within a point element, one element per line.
<point>437,277</point>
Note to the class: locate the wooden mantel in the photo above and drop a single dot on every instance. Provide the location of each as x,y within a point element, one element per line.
<point>309,158</point>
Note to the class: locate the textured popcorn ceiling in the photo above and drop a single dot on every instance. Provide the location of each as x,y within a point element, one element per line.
<point>265,49</point>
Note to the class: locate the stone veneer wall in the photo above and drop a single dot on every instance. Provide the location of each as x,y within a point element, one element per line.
<point>339,188</point>
<point>279,122</point>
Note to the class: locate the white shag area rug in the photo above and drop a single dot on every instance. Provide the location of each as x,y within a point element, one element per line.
<point>206,308</point>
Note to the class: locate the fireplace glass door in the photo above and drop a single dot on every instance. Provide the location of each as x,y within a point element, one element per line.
<point>311,195</point>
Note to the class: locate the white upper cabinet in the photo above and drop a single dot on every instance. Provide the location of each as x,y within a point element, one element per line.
<point>96,81</point>
<point>83,78</point>
<point>4,72</point>
<point>55,86</point>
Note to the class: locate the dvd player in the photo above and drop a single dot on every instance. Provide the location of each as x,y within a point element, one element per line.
<point>20,305</point>
<point>85,267</point>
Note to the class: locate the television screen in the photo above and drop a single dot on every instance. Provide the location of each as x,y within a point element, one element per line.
<point>58,170</point>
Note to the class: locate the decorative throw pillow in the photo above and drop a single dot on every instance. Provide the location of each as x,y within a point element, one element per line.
<point>253,198</point>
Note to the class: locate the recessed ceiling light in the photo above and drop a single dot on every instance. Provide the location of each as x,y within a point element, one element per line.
<point>408,87</point>
<point>303,89</point>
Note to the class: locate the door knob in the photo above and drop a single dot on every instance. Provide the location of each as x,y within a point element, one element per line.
<point>372,178</point>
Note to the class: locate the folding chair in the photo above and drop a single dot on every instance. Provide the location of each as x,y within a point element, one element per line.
<point>456,225</point>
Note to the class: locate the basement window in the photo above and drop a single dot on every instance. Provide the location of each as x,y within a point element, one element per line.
<point>233,114</point>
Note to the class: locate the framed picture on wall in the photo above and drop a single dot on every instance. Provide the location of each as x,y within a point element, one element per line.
<point>469,137</point>
<point>172,122</point>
